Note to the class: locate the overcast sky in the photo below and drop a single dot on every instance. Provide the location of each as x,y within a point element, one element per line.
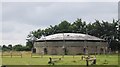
<point>18,19</point>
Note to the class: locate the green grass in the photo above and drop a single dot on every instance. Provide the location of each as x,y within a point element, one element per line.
<point>67,60</point>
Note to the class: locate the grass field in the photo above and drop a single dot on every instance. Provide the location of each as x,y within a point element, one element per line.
<point>67,60</point>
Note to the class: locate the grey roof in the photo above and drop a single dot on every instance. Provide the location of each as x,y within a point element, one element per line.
<point>69,36</point>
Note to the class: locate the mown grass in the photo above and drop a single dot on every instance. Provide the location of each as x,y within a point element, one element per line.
<point>67,60</point>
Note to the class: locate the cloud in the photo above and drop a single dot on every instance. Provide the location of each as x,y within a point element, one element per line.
<point>16,31</point>
<point>41,15</point>
<point>21,18</point>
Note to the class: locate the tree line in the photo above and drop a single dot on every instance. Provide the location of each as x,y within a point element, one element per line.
<point>102,29</point>
<point>17,47</point>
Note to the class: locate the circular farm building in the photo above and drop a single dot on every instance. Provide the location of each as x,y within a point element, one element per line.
<point>69,44</point>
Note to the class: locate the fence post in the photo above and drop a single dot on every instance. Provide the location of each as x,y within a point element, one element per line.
<point>31,55</point>
<point>11,54</point>
<point>73,56</point>
<point>21,55</point>
<point>2,54</point>
<point>41,55</point>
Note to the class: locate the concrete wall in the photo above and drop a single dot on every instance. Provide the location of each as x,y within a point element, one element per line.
<point>72,47</point>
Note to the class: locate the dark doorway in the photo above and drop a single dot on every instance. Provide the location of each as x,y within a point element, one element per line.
<point>65,51</point>
<point>45,51</point>
<point>33,50</point>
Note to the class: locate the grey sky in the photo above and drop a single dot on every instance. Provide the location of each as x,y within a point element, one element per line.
<point>21,18</point>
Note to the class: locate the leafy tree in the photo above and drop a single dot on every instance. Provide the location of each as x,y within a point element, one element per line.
<point>17,47</point>
<point>4,48</point>
<point>10,46</point>
<point>29,45</point>
<point>64,27</point>
<point>79,26</point>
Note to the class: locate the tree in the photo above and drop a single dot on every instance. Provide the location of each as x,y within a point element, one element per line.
<point>18,47</point>
<point>79,26</point>
<point>64,27</point>
<point>10,46</point>
<point>5,48</point>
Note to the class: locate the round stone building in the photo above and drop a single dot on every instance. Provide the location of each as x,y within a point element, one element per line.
<point>69,44</point>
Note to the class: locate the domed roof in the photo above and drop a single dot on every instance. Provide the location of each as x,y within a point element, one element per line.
<point>69,36</point>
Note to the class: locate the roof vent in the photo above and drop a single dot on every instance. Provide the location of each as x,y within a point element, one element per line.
<point>68,35</point>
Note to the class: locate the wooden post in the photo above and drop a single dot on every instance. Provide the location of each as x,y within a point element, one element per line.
<point>87,62</point>
<point>2,54</point>
<point>21,55</point>
<point>63,56</point>
<point>31,55</point>
<point>41,55</point>
<point>73,56</point>
<point>11,54</point>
